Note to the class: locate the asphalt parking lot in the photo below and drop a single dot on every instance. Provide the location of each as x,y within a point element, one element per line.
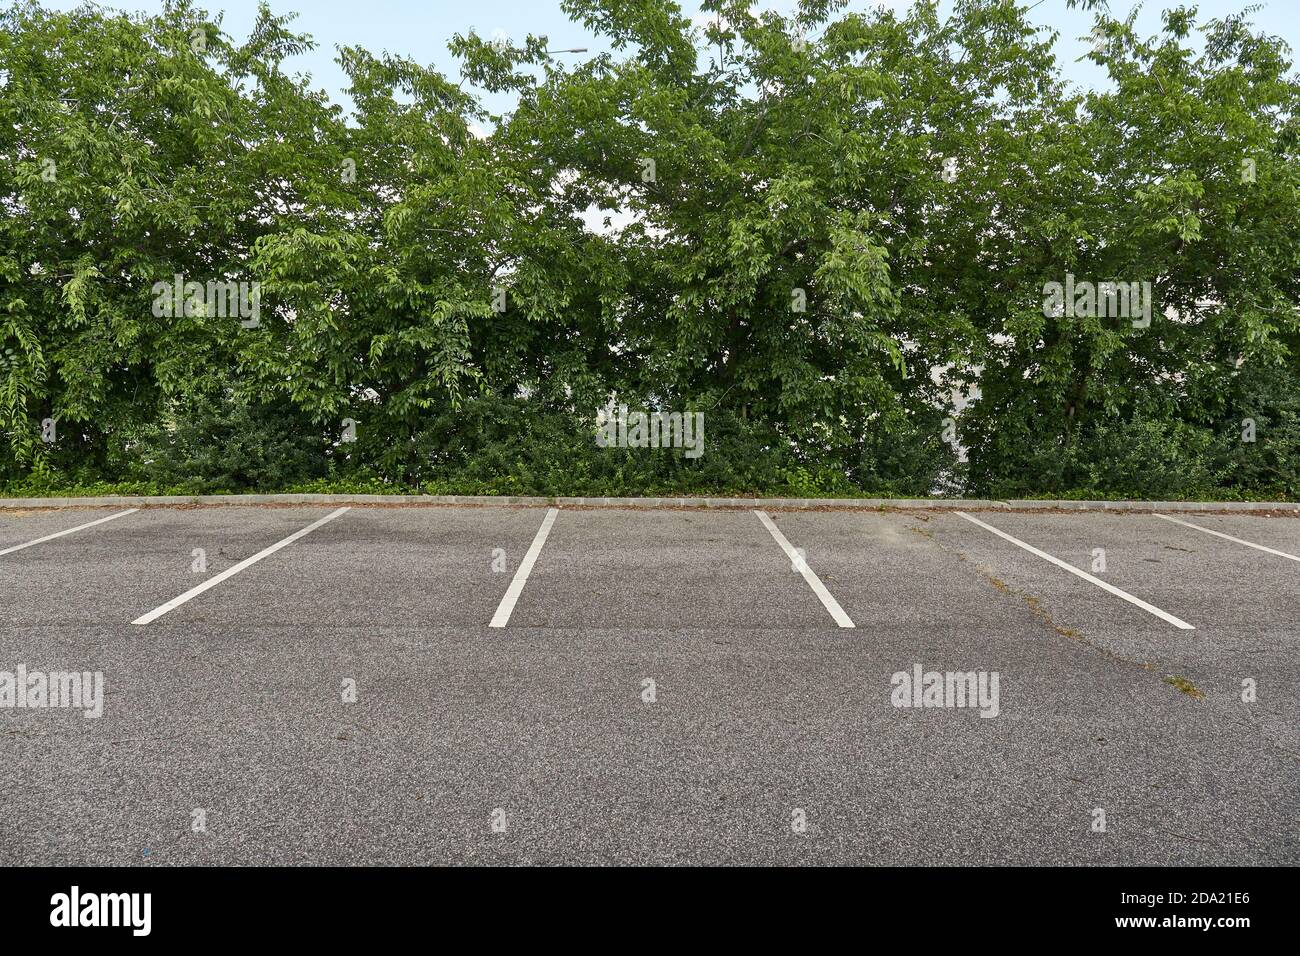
<point>572,685</point>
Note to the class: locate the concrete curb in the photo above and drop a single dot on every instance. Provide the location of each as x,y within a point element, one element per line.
<point>774,504</point>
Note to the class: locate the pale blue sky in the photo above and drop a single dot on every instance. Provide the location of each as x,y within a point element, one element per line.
<point>421,28</point>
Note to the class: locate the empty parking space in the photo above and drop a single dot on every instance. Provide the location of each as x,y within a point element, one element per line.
<point>1133,553</point>
<point>1079,573</point>
<point>665,569</point>
<point>118,571</point>
<point>407,567</point>
<point>214,580</point>
<point>1213,583</point>
<point>890,574</point>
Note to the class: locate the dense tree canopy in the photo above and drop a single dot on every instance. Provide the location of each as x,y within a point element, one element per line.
<point>829,232</point>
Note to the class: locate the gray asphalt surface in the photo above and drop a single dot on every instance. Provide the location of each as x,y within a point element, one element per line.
<point>231,703</point>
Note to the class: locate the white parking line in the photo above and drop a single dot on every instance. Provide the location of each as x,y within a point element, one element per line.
<point>814,582</point>
<point>507,606</point>
<point>235,569</point>
<point>1228,537</point>
<point>60,534</point>
<point>1150,608</point>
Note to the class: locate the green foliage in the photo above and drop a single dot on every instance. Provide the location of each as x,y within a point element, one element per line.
<point>828,225</point>
<point>1268,397</point>
<point>210,446</point>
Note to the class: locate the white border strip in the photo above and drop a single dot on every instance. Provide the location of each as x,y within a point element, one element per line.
<point>814,582</point>
<point>1150,608</point>
<point>507,606</point>
<point>234,569</point>
<point>1228,537</point>
<point>60,534</point>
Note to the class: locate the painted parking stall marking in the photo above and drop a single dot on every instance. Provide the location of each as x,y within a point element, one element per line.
<point>814,582</point>
<point>60,534</point>
<point>1228,537</point>
<point>235,569</point>
<point>507,606</point>
<point>1138,602</point>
